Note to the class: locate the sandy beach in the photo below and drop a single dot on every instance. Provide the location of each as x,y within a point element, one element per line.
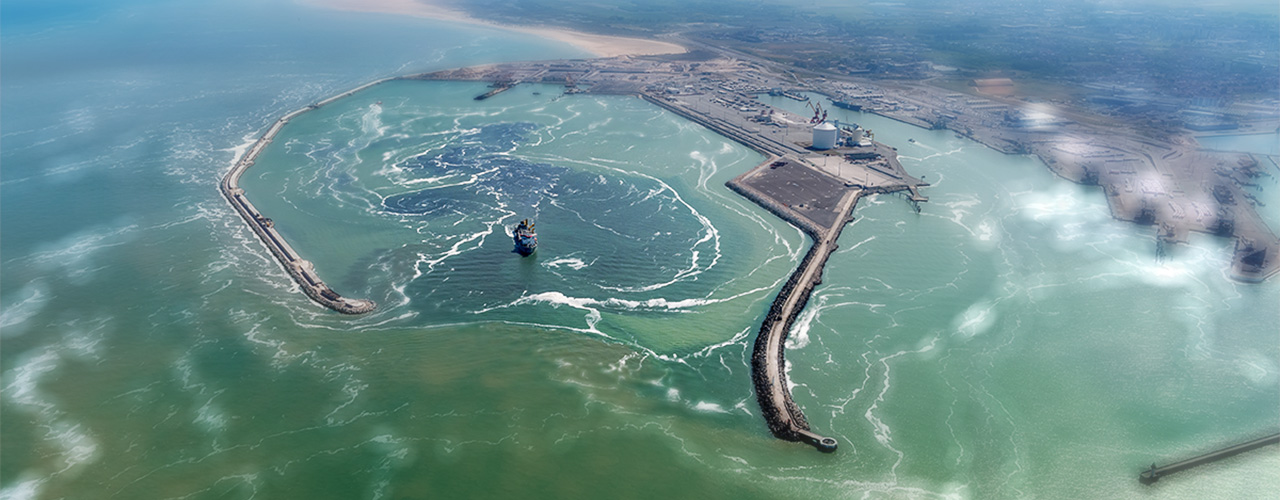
<point>599,45</point>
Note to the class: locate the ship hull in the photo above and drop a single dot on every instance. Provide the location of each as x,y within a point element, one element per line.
<point>526,241</point>
<point>847,105</point>
<point>526,249</point>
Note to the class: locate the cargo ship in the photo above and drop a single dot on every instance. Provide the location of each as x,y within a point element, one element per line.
<point>776,92</point>
<point>525,238</point>
<point>847,104</point>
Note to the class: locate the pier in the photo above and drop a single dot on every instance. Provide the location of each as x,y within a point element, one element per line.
<point>1154,474</point>
<point>816,191</point>
<point>821,205</point>
<point>302,271</point>
<point>768,359</point>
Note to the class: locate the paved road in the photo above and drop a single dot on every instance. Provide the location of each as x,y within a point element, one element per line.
<point>780,393</point>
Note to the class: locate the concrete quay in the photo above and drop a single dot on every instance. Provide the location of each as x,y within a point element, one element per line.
<point>302,271</point>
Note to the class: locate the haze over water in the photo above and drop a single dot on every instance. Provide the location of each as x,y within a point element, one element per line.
<point>1010,341</point>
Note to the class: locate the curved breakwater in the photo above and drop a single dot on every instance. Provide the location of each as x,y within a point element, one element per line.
<point>302,271</point>
<point>768,358</point>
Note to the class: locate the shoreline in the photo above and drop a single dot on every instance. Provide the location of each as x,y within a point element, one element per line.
<point>598,45</point>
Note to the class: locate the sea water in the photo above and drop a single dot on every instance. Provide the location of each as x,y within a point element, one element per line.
<point>1259,144</point>
<point>1010,340</point>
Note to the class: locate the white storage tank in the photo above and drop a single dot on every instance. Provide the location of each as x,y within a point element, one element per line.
<point>824,136</point>
<point>856,136</point>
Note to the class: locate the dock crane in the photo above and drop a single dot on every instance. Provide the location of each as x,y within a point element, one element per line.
<point>819,114</point>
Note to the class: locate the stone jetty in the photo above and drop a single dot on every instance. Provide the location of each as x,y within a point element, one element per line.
<point>302,271</point>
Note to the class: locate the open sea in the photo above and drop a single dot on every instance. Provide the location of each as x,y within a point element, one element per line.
<point>1011,340</point>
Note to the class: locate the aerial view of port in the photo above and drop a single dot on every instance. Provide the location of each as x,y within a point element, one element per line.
<point>623,249</point>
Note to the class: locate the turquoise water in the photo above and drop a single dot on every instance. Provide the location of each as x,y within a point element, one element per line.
<point>1262,144</point>
<point>1009,341</point>
<point>636,228</point>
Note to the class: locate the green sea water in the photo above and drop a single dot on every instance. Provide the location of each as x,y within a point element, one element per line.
<point>1009,341</point>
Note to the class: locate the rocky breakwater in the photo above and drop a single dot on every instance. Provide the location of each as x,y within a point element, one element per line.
<point>768,358</point>
<point>302,271</point>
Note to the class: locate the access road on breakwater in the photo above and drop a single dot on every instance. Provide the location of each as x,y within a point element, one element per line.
<point>302,271</point>
<point>768,360</point>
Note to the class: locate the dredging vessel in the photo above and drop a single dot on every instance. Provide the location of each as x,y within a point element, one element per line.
<point>525,238</point>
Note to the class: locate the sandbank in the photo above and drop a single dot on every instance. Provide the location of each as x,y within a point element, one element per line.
<point>598,45</point>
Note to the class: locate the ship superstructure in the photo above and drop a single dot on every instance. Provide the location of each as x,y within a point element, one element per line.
<point>525,238</point>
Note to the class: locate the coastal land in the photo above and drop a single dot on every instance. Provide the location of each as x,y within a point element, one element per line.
<point>1168,182</point>
<point>598,45</point>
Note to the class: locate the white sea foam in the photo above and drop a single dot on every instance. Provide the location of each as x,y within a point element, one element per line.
<point>351,387</point>
<point>456,249</point>
<point>858,244</point>
<point>574,264</point>
<point>77,447</point>
<point>709,235</point>
<point>882,432</point>
<point>24,380</point>
<point>555,298</point>
<point>738,337</point>
<point>709,407</point>
<point>706,168</point>
<point>73,255</point>
<point>976,320</point>
<point>210,416</point>
<point>84,344</point>
<point>961,210</point>
<point>798,337</point>
<point>13,319</point>
<point>26,487</point>
<point>1258,369</point>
